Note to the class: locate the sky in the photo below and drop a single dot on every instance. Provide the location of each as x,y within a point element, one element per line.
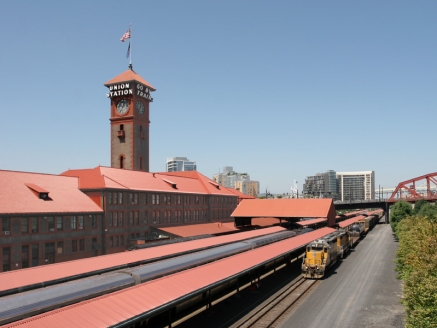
<point>278,89</point>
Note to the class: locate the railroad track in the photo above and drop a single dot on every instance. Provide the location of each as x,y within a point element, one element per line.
<point>272,311</point>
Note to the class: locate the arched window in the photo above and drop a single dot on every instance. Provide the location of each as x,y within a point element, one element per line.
<point>121,160</point>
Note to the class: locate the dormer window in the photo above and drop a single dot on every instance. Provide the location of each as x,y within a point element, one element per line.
<point>38,191</point>
<point>43,195</point>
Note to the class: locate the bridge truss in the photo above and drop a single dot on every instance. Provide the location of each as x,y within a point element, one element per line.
<point>407,190</point>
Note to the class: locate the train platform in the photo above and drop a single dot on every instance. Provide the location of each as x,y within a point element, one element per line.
<point>41,276</point>
<point>128,306</point>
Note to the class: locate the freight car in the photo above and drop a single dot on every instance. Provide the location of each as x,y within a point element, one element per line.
<point>322,253</point>
<point>22,305</point>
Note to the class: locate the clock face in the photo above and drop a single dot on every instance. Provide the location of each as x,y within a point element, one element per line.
<point>122,107</point>
<point>140,107</point>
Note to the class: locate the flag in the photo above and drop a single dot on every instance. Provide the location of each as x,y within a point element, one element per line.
<point>128,51</point>
<point>125,36</point>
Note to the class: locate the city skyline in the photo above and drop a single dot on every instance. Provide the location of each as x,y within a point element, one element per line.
<point>280,90</point>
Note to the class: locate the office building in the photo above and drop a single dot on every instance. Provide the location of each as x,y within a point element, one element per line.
<point>356,185</point>
<point>240,181</point>
<point>177,164</point>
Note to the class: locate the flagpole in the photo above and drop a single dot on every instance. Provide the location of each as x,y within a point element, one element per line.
<point>130,52</point>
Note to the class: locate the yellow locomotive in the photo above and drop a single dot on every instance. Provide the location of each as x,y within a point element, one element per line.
<point>322,253</point>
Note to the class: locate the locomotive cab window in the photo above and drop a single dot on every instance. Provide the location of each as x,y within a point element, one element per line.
<point>325,249</point>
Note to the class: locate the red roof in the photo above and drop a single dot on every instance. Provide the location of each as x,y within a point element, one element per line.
<point>114,308</point>
<point>309,222</point>
<point>351,221</point>
<point>185,182</point>
<point>265,222</point>
<point>287,208</point>
<point>35,275</point>
<point>19,194</point>
<point>127,76</point>
<point>211,228</point>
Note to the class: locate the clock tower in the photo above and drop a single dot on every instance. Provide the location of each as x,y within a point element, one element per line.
<point>130,96</point>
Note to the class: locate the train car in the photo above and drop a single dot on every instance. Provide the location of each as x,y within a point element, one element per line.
<point>368,222</point>
<point>322,253</point>
<point>357,231</point>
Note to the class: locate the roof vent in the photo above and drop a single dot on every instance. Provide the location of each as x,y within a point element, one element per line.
<point>38,191</point>
<point>214,184</point>
<point>171,183</point>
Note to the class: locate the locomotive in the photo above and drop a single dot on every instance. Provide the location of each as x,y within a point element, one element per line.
<point>322,253</point>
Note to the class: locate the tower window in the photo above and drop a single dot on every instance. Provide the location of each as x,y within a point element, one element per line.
<point>121,162</point>
<point>121,127</point>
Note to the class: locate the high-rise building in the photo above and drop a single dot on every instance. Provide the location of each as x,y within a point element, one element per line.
<point>321,185</point>
<point>240,181</point>
<point>356,185</point>
<point>175,164</point>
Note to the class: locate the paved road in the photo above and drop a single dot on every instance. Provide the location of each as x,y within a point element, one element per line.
<point>362,291</point>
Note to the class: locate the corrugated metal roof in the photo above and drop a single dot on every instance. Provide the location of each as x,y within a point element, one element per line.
<point>309,222</point>
<point>19,194</point>
<point>286,208</point>
<point>211,228</point>
<point>348,222</point>
<point>35,275</point>
<point>120,306</point>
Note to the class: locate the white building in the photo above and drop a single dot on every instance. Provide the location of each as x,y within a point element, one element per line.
<point>356,185</point>
<point>180,164</point>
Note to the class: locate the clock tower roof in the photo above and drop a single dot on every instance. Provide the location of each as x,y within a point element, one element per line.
<point>127,76</point>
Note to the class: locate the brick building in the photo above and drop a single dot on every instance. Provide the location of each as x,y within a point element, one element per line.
<point>45,219</point>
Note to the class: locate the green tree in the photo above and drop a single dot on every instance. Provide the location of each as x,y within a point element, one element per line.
<point>398,212</point>
<point>418,205</point>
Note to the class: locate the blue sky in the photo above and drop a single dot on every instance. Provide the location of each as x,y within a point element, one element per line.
<point>278,89</point>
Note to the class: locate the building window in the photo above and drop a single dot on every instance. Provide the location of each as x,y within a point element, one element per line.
<point>153,199</point>
<point>169,200</point>
<point>157,199</point>
<point>164,199</point>
<point>73,223</point>
<point>74,245</point>
<point>6,259</point>
<point>111,241</point>
<point>51,223</point>
<point>82,245</point>
<point>179,199</point>
<point>35,255</point>
<point>120,198</point>
<point>60,248</point>
<point>121,159</point>
<point>116,241</point>
<point>120,221</point>
<point>81,222</point>
<point>34,222</point>
<point>131,218</point>
<point>131,198</point>
<point>94,221</point>
<point>6,225</point>
<point>110,219</point>
<point>24,256</point>
<point>115,198</point>
<point>135,198</point>
<point>145,199</point>
<point>165,216</point>
<point>59,223</point>
<point>24,225</point>
<point>146,217</point>
<point>115,219</point>
<point>136,218</point>
<point>153,217</point>
<point>110,198</point>
<point>122,240</point>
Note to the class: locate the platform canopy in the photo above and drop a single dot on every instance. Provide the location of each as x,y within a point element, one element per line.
<point>288,209</point>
